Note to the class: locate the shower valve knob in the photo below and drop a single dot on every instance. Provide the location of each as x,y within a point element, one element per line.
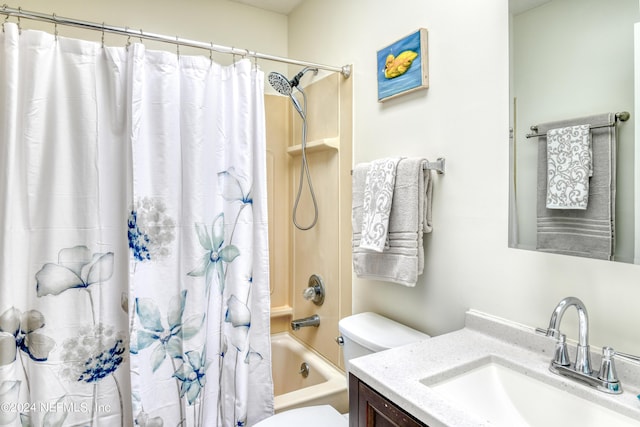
<point>315,290</point>
<point>309,294</point>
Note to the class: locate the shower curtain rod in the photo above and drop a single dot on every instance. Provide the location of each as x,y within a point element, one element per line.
<point>126,31</point>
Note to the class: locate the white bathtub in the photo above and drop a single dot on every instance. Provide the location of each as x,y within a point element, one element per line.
<point>324,385</point>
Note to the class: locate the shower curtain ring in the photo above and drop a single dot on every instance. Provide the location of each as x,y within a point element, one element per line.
<point>19,24</point>
<point>128,38</point>
<point>177,47</point>
<point>102,38</point>
<point>211,52</point>
<point>141,34</point>
<point>55,26</point>
<point>6,18</point>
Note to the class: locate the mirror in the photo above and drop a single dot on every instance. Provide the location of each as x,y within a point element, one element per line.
<point>571,59</point>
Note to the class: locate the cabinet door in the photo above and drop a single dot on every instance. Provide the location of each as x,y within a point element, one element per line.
<point>373,410</point>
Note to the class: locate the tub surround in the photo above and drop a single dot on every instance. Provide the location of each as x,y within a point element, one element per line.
<point>278,128</point>
<point>325,249</point>
<point>397,373</point>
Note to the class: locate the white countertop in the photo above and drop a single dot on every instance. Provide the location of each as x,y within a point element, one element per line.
<point>396,373</point>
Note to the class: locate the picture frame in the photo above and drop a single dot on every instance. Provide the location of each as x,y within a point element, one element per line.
<point>403,66</point>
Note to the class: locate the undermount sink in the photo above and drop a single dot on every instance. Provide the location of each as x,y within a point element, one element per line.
<point>505,396</point>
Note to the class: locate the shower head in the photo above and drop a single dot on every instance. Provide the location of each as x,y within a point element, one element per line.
<point>285,86</point>
<point>280,83</point>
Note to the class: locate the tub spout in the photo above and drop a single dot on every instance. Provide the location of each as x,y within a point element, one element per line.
<point>307,321</point>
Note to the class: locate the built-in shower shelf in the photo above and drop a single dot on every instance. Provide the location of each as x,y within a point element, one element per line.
<point>317,145</point>
<point>281,311</point>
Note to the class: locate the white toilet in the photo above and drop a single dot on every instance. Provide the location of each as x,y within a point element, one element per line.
<point>362,334</point>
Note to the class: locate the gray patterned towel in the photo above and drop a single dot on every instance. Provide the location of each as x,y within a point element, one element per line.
<point>376,207</point>
<point>568,167</point>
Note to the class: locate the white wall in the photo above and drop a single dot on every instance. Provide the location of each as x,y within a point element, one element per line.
<point>463,116</point>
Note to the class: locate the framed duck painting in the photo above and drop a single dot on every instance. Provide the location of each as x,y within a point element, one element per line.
<point>403,66</point>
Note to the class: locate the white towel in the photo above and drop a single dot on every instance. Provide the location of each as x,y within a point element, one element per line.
<point>402,260</point>
<point>569,166</point>
<point>376,207</point>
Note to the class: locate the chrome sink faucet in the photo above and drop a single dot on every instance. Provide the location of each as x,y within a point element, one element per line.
<point>604,380</point>
<point>583,354</point>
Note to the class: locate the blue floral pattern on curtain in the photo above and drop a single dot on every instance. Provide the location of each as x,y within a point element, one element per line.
<point>134,270</point>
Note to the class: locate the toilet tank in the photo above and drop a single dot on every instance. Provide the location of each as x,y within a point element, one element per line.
<point>367,333</point>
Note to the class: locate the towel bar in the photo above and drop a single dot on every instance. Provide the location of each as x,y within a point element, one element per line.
<point>622,116</point>
<point>437,166</point>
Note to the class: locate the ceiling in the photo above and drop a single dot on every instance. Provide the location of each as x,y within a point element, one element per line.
<point>278,6</point>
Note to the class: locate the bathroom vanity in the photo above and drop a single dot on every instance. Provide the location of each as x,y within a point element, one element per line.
<point>485,374</point>
<point>369,408</point>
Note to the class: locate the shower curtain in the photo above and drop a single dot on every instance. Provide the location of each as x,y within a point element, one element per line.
<point>133,249</point>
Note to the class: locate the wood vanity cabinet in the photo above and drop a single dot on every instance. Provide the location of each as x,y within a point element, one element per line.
<point>368,408</point>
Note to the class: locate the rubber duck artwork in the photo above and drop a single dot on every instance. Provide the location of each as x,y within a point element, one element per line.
<point>398,65</point>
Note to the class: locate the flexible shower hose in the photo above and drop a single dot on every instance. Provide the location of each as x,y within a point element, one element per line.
<point>304,171</point>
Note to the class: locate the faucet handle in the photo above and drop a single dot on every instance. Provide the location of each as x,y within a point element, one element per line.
<point>554,333</point>
<point>315,290</point>
<point>541,331</point>
<point>607,367</point>
<point>309,294</point>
